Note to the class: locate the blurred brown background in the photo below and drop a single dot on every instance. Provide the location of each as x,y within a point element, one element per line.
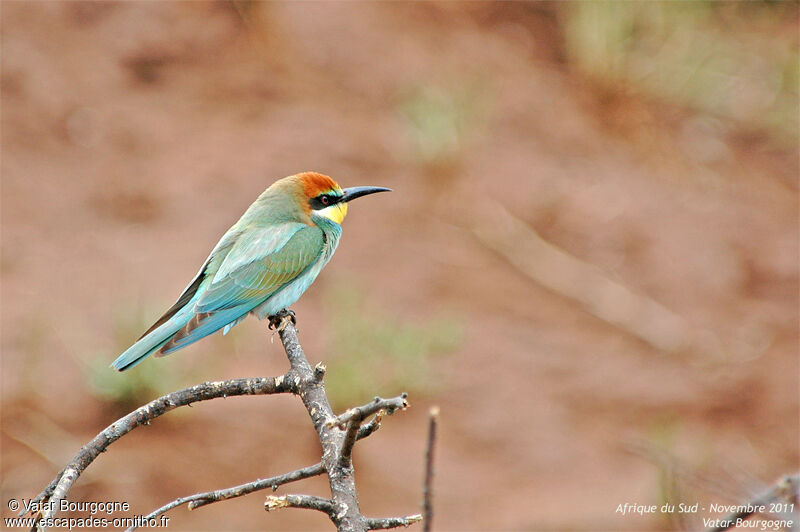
<point>589,260</point>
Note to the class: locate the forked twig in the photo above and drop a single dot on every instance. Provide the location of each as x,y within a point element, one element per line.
<point>59,487</point>
<point>337,434</point>
<point>201,499</point>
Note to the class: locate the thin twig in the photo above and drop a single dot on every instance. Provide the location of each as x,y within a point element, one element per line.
<point>393,522</point>
<point>308,502</point>
<point>201,499</point>
<point>427,489</point>
<point>786,488</point>
<point>209,497</point>
<point>350,436</point>
<point>353,418</point>
<point>359,413</point>
<point>373,425</point>
<point>60,486</point>
<point>301,379</point>
<point>272,483</point>
<point>311,389</point>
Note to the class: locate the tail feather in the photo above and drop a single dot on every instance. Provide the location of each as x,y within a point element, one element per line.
<point>183,328</point>
<point>201,325</point>
<point>149,343</point>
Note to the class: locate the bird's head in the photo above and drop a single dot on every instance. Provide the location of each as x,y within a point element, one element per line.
<point>327,199</point>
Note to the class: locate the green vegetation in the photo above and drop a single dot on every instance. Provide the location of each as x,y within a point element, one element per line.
<point>736,60</point>
<point>664,430</point>
<point>440,119</point>
<point>371,352</point>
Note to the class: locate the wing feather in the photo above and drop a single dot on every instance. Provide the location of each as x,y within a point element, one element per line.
<point>259,265</point>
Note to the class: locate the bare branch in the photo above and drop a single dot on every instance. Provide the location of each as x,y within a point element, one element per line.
<point>308,502</point>
<point>373,425</point>
<point>60,486</point>
<point>427,488</point>
<point>393,522</point>
<point>356,415</point>
<point>359,413</point>
<point>209,497</point>
<point>272,483</point>
<point>312,392</point>
<point>786,488</point>
<point>301,379</point>
<point>350,436</point>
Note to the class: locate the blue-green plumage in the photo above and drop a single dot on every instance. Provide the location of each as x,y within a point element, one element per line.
<point>262,264</point>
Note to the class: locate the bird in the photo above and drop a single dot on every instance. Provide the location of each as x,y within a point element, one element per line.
<point>260,266</point>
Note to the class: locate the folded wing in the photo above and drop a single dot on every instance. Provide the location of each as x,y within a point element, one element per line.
<point>260,263</point>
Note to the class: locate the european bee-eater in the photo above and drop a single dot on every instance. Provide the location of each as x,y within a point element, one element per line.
<point>262,264</point>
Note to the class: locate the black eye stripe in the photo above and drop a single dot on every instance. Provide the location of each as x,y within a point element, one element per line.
<point>324,200</point>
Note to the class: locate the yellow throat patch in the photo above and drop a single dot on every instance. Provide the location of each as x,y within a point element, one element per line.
<point>334,213</point>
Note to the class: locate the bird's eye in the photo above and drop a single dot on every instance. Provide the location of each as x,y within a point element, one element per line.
<point>322,201</point>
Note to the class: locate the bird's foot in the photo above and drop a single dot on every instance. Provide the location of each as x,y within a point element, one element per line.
<point>281,319</point>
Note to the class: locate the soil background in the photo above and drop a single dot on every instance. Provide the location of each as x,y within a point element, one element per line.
<point>134,134</point>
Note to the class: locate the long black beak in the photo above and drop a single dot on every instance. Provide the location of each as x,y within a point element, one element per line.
<point>356,192</point>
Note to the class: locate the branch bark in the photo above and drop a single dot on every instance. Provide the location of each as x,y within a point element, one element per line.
<point>59,487</point>
<point>209,497</point>
<point>384,523</point>
<point>427,487</point>
<point>307,502</point>
<point>337,435</point>
<point>346,514</point>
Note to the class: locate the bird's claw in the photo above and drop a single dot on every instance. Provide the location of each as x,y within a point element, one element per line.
<point>279,320</point>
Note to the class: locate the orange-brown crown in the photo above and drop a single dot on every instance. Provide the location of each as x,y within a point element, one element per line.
<point>315,184</point>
